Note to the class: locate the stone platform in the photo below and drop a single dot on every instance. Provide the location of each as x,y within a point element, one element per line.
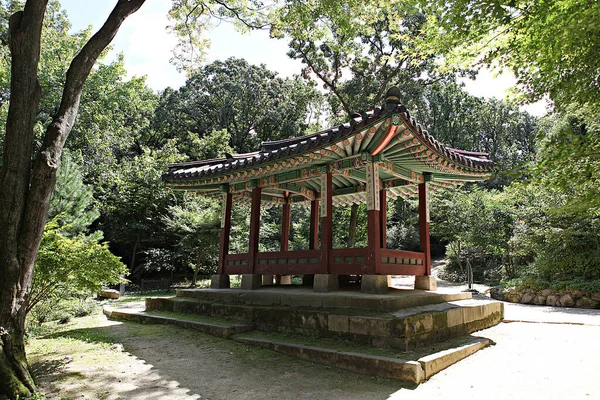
<point>402,319</point>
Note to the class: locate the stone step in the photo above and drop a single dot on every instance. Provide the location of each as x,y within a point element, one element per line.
<point>405,329</point>
<point>138,315</point>
<point>397,299</point>
<point>414,371</point>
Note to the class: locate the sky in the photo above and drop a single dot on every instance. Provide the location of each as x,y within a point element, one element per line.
<point>147,47</point>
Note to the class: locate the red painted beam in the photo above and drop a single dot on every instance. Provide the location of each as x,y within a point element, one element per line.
<point>424,226</point>
<point>327,219</point>
<point>285,227</point>
<point>225,232</point>
<point>313,235</point>
<point>383,218</point>
<point>254,227</point>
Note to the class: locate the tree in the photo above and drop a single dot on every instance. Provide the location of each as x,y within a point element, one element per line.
<point>249,101</point>
<point>26,186</point>
<point>548,45</point>
<point>72,200</point>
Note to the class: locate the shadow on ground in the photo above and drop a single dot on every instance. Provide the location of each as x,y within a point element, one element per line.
<point>166,362</point>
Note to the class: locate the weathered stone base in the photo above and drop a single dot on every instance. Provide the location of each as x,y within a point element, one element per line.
<point>427,282</point>
<point>405,329</point>
<point>219,282</point>
<point>326,283</point>
<point>251,281</point>
<point>374,284</point>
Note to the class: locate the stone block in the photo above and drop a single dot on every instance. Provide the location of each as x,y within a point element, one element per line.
<point>427,282</point>
<point>586,302</point>
<point>374,284</point>
<point>380,327</point>
<point>539,300</point>
<point>566,300</point>
<point>326,283</point>
<point>359,325</point>
<point>302,301</point>
<point>551,300</point>
<point>219,281</point>
<point>527,298</point>
<point>109,294</point>
<point>337,301</point>
<point>437,362</point>
<point>261,298</point>
<point>366,303</point>
<point>338,323</point>
<point>454,317</point>
<point>251,281</point>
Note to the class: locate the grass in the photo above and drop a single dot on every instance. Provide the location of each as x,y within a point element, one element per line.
<point>140,297</point>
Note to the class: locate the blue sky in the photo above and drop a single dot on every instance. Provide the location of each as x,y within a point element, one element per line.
<point>147,47</point>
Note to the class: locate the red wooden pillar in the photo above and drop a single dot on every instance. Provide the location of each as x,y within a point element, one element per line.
<point>254,228</point>
<point>373,217</point>
<point>326,211</point>
<point>424,225</point>
<point>285,226</point>
<point>383,218</point>
<point>313,235</point>
<point>225,232</point>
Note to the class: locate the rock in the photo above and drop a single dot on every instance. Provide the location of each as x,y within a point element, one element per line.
<point>513,297</point>
<point>546,292</point>
<point>539,300</point>
<point>109,294</point>
<point>566,300</point>
<point>497,293</point>
<point>552,300</point>
<point>586,302</point>
<point>595,296</point>
<point>527,298</point>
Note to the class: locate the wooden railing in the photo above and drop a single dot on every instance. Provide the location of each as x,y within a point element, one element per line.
<point>400,262</point>
<point>341,261</point>
<point>349,261</point>
<point>237,264</point>
<point>289,263</point>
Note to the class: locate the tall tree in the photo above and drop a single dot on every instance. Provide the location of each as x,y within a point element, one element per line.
<point>249,101</point>
<point>550,46</point>
<point>26,186</point>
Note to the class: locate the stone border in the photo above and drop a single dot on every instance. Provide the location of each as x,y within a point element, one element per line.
<point>223,331</point>
<point>547,297</point>
<point>411,371</point>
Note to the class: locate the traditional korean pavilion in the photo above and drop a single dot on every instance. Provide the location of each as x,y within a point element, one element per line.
<point>378,155</point>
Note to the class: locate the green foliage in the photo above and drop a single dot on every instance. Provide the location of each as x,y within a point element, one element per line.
<point>70,267</point>
<point>196,224</point>
<point>72,200</point>
<point>248,101</point>
<point>547,44</point>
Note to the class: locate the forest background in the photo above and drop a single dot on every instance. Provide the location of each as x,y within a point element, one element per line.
<point>534,223</point>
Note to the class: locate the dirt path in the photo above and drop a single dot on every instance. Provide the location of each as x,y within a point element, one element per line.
<point>135,361</point>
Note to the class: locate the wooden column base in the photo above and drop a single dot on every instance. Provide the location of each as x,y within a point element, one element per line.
<point>220,281</point>
<point>326,283</point>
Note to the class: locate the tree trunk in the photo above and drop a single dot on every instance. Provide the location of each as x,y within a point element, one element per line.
<point>25,190</point>
<point>352,227</point>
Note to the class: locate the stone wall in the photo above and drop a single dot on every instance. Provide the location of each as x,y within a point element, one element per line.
<point>547,297</point>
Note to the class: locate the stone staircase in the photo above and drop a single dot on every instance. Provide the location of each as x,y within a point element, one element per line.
<point>413,321</point>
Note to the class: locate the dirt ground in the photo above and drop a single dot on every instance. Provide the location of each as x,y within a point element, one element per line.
<point>556,355</point>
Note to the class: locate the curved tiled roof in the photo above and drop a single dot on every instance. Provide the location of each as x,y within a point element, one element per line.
<point>280,149</point>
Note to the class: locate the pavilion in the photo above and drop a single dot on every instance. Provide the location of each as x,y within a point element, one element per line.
<point>377,155</point>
